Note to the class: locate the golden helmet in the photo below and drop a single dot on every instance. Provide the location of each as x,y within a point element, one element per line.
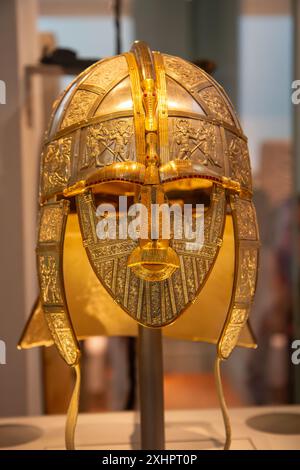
<point>153,129</point>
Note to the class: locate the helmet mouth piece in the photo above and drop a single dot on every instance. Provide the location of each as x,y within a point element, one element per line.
<point>153,262</point>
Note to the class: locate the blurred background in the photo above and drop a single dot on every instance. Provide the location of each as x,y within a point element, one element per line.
<point>250,47</point>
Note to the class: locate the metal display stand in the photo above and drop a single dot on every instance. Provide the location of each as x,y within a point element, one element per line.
<point>151,392</point>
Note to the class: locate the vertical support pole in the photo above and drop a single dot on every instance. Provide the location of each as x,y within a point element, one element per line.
<point>151,393</point>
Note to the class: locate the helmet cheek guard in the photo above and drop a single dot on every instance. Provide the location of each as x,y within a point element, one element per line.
<point>154,130</point>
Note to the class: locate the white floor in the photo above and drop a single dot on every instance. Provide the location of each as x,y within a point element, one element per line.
<point>192,429</point>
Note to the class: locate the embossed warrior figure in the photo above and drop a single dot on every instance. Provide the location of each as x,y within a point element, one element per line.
<point>185,136</point>
<point>120,137</point>
<point>48,280</point>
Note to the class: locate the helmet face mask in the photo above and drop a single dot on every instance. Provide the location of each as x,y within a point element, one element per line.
<point>149,129</point>
<point>153,259</point>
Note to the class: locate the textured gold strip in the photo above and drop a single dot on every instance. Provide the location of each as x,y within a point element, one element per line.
<point>93,88</point>
<point>214,83</point>
<point>144,59</point>
<point>202,117</point>
<point>224,145</point>
<point>53,218</point>
<point>224,409</point>
<point>183,277</point>
<point>115,273</point>
<point>148,301</point>
<point>163,301</point>
<point>172,296</point>
<point>128,171</point>
<point>161,89</point>
<point>87,122</point>
<point>139,114</point>
<point>245,275</point>
<point>73,412</point>
<point>126,289</point>
<point>140,299</point>
<point>195,273</point>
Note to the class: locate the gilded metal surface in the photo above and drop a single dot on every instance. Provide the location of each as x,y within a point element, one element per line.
<point>126,171</point>
<point>107,73</point>
<point>56,166</point>
<point>79,107</point>
<point>157,129</point>
<point>232,332</point>
<point>139,113</point>
<point>246,260</point>
<point>162,107</point>
<point>53,218</point>
<point>195,121</point>
<point>95,313</point>
<point>239,161</point>
<point>152,303</point>
<point>108,142</point>
<point>152,260</point>
<point>212,100</point>
<point>185,73</point>
<point>197,141</point>
<point>50,224</point>
<point>246,280</point>
<point>246,219</point>
<point>114,115</point>
<point>203,89</point>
